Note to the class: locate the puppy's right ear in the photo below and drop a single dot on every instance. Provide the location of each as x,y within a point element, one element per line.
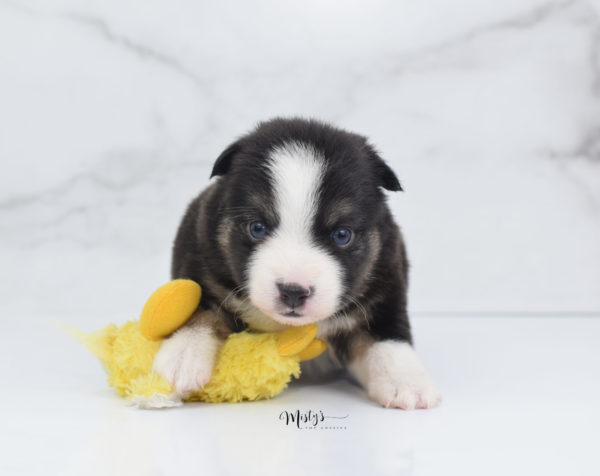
<point>223,162</point>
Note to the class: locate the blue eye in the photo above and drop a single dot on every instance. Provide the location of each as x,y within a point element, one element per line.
<point>258,230</point>
<point>341,236</point>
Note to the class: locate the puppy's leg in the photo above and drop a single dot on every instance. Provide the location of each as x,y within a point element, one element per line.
<point>393,374</point>
<point>186,359</point>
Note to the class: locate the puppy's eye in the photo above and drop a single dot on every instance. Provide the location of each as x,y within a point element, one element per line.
<point>258,230</point>
<point>341,236</point>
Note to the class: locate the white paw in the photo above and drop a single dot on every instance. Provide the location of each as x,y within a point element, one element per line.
<point>186,359</point>
<point>406,392</point>
<point>394,377</point>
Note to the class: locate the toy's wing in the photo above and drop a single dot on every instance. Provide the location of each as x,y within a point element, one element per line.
<point>169,307</point>
<point>301,341</point>
<point>312,350</point>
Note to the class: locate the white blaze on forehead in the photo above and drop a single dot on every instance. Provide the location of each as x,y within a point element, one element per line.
<point>289,254</point>
<point>297,172</point>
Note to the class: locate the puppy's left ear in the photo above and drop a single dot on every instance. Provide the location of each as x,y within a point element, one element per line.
<point>387,177</point>
<point>223,162</point>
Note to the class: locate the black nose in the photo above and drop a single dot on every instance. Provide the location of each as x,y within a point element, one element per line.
<point>293,295</point>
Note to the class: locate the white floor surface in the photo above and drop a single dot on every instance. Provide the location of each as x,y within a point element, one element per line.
<point>521,396</point>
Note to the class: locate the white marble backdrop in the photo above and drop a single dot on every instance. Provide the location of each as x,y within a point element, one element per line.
<point>112,112</point>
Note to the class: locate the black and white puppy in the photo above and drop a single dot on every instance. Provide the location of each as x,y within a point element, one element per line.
<point>296,230</point>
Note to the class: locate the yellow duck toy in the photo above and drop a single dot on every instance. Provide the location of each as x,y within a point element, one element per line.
<point>250,366</point>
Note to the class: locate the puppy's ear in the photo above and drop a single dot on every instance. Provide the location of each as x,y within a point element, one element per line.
<point>223,162</point>
<point>387,177</point>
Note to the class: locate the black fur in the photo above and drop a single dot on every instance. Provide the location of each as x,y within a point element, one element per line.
<point>355,174</point>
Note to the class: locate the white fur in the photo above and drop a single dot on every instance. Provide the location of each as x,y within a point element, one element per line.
<point>289,254</point>
<point>186,359</point>
<point>258,320</point>
<point>393,376</point>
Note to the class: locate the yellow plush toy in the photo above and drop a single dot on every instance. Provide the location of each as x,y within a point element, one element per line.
<point>250,366</point>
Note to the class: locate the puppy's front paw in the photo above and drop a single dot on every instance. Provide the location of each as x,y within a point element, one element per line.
<point>187,358</point>
<point>404,391</point>
<point>394,377</point>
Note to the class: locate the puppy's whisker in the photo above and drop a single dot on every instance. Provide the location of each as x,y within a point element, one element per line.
<point>243,304</point>
<point>241,307</point>
<point>361,308</point>
<point>349,300</point>
<point>343,315</point>
<point>230,295</point>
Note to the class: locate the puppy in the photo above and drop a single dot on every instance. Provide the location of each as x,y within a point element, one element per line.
<point>295,230</point>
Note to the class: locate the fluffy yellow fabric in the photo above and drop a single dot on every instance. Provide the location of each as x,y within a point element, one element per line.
<point>249,368</point>
<point>127,357</point>
<point>249,365</point>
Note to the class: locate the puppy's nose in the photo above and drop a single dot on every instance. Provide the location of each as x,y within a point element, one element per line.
<point>292,294</point>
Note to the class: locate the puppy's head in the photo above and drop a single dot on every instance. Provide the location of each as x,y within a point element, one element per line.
<point>299,215</point>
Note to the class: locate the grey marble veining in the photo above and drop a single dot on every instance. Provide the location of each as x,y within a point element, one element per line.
<point>111,115</point>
